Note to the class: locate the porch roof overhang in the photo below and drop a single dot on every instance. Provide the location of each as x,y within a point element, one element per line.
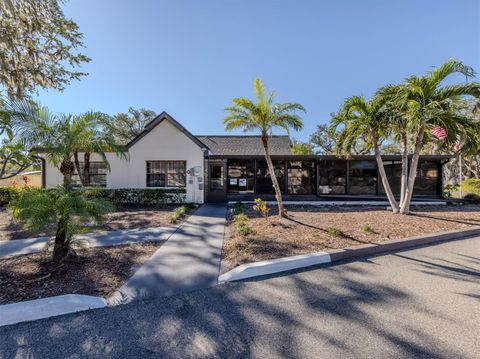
<point>442,158</point>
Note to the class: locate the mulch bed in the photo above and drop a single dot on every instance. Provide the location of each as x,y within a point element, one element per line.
<point>311,229</point>
<point>96,271</point>
<point>122,218</point>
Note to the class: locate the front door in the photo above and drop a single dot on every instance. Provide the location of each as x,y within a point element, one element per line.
<point>216,183</point>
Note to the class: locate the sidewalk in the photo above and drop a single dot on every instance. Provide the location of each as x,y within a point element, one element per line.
<point>99,239</point>
<point>189,260</point>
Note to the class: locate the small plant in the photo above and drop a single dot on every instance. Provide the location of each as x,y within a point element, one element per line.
<point>244,229</point>
<point>368,229</point>
<point>240,218</point>
<point>335,232</point>
<point>238,208</point>
<point>178,213</point>
<point>261,206</point>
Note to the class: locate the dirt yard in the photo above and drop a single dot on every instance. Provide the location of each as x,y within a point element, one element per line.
<point>125,218</point>
<point>96,271</point>
<point>312,229</point>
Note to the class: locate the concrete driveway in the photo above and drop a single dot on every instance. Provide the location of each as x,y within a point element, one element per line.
<point>423,303</point>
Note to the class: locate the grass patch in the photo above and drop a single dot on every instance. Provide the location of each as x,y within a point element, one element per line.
<point>366,228</point>
<point>335,232</point>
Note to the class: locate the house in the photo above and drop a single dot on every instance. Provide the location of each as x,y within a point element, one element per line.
<point>229,168</point>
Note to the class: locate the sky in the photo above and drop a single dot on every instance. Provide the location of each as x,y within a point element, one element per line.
<point>190,58</point>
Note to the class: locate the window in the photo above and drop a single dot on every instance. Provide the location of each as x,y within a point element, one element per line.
<point>332,177</point>
<point>393,169</point>
<point>240,176</point>
<point>301,177</point>
<point>427,180</point>
<point>166,173</point>
<point>363,177</point>
<point>264,181</point>
<point>97,174</point>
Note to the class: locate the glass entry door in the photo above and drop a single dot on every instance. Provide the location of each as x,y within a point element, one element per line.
<point>216,183</point>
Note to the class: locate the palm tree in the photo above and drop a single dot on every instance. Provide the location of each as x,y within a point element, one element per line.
<point>427,103</point>
<point>68,210</point>
<point>62,137</point>
<point>369,121</point>
<point>264,116</point>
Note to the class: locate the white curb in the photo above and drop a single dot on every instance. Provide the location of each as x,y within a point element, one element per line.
<point>274,266</point>
<point>48,307</point>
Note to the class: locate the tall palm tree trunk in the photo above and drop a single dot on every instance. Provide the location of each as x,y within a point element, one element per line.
<point>405,206</point>
<point>79,170</point>
<point>271,169</point>
<point>383,176</point>
<point>403,180</point>
<point>86,169</point>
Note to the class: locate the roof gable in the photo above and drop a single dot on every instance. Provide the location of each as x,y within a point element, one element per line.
<point>159,119</point>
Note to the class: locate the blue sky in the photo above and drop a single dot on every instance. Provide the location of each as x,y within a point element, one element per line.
<point>190,58</point>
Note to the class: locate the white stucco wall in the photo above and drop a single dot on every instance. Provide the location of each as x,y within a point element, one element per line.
<point>164,142</point>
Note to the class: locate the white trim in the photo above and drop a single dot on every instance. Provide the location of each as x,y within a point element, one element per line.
<point>274,266</point>
<point>48,307</point>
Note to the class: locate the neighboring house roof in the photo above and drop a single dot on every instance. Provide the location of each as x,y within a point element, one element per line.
<point>246,145</point>
<point>157,120</point>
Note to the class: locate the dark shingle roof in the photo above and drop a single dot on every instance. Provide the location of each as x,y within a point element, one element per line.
<point>246,145</point>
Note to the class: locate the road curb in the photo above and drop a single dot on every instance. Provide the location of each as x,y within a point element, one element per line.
<point>48,307</point>
<point>259,269</point>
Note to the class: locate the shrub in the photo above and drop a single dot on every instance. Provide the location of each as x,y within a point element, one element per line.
<point>178,213</point>
<point>155,197</point>
<point>335,232</point>
<point>262,207</point>
<point>238,208</point>
<point>7,194</point>
<point>240,218</point>
<point>471,186</point>
<point>473,198</point>
<point>244,229</point>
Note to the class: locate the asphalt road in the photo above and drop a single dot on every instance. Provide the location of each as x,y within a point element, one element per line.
<point>416,304</point>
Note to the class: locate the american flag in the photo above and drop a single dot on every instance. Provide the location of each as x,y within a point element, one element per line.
<point>439,132</point>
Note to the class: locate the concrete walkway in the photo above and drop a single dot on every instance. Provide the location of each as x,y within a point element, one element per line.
<point>190,259</point>
<point>98,239</point>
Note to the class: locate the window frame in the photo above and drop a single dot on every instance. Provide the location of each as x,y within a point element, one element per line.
<point>166,169</point>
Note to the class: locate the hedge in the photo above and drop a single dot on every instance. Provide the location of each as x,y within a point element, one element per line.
<point>140,197</point>
<point>471,186</point>
<point>7,194</point>
<point>155,197</point>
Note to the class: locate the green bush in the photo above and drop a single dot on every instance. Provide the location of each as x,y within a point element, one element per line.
<point>240,218</point>
<point>7,194</point>
<point>471,186</point>
<point>238,208</point>
<point>244,229</point>
<point>155,197</point>
<point>179,213</point>
<point>473,198</point>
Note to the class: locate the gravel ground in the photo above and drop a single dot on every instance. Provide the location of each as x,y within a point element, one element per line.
<point>124,218</point>
<point>421,303</point>
<point>312,229</point>
<point>96,271</point>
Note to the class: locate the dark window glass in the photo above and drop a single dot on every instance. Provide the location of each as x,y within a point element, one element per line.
<point>166,173</point>
<point>264,181</point>
<point>97,174</point>
<point>216,177</point>
<point>240,176</point>
<point>427,178</point>
<point>363,177</point>
<point>393,169</point>
<point>301,177</point>
<point>332,177</point>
